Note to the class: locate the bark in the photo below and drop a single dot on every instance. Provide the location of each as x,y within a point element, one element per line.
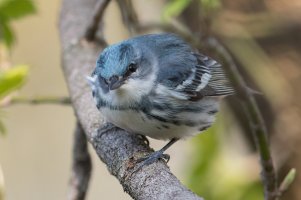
<point>81,166</point>
<point>115,147</point>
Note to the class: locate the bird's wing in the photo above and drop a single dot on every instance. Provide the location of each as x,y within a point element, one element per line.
<point>205,78</point>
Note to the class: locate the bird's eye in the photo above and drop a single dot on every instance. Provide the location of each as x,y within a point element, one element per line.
<point>132,67</point>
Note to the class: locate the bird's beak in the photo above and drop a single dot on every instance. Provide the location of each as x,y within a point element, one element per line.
<point>115,82</point>
<point>91,80</point>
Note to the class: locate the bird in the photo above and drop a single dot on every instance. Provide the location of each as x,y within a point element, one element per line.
<point>157,85</point>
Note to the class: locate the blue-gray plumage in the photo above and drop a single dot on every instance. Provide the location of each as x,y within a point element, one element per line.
<point>158,86</point>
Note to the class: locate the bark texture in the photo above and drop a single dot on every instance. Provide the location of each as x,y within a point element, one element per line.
<point>115,147</point>
<point>81,166</point>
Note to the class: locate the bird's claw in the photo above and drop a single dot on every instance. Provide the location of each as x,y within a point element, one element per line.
<point>151,158</point>
<point>144,138</point>
<point>165,157</point>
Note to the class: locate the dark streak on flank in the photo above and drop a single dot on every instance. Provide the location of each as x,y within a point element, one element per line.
<point>176,122</point>
<point>212,112</point>
<point>178,109</point>
<point>204,128</point>
<point>190,123</point>
<point>165,126</point>
<point>159,106</point>
<point>158,118</point>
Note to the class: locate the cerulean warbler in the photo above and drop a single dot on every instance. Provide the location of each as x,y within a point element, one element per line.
<point>158,86</point>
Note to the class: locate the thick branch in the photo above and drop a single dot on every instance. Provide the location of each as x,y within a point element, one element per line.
<point>81,166</point>
<point>129,15</point>
<point>115,147</point>
<point>91,31</point>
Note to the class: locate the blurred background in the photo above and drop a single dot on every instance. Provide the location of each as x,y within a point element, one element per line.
<point>264,38</point>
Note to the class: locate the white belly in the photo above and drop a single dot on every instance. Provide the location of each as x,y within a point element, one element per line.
<point>138,122</point>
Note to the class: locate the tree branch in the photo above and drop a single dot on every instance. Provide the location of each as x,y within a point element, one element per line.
<point>259,130</point>
<point>129,15</point>
<point>91,31</point>
<point>81,166</point>
<point>115,147</point>
<point>40,100</point>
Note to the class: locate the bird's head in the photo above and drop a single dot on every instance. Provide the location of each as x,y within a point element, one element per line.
<point>124,73</point>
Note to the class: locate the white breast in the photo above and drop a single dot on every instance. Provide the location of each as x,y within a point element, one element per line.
<point>138,122</point>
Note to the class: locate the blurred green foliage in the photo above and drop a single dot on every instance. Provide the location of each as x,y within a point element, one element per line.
<point>176,7</point>
<point>11,78</point>
<point>12,10</point>
<point>209,5</point>
<point>215,175</point>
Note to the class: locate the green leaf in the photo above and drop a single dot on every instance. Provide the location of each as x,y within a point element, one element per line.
<point>6,34</point>
<point>174,8</point>
<point>214,174</point>
<point>288,180</point>
<point>14,9</point>
<point>12,79</point>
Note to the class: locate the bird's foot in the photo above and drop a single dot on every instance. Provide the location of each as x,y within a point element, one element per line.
<point>144,138</point>
<point>151,158</point>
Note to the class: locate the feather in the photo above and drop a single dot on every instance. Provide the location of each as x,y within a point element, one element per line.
<point>206,79</point>
<point>187,74</point>
<point>218,82</point>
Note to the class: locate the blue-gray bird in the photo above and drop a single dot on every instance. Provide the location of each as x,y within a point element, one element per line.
<point>156,85</point>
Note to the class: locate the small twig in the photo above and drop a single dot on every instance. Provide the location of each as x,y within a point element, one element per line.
<point>129,15</point>
<point>259,130</point>
<point>40,100</point>
<point>90,34</point>
<point>81,166</point>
